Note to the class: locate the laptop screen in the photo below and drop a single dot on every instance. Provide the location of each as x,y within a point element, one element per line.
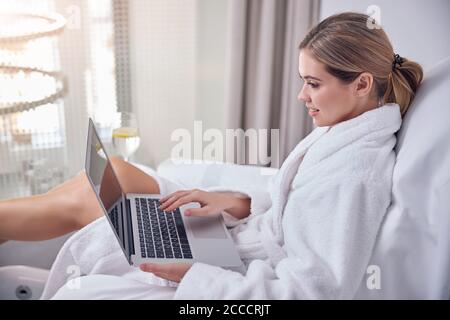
<point>104,181</point>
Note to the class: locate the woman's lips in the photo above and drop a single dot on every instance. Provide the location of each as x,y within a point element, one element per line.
<point>313,112</point>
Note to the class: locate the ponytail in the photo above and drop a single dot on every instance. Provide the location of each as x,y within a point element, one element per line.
<point>402,84</point>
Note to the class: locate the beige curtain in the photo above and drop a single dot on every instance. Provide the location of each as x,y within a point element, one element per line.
<point>263,80</point>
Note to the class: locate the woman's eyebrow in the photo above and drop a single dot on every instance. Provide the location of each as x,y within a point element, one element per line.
<point>308,77</point>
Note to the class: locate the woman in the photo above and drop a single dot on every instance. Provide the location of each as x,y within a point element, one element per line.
<point>310,235</point>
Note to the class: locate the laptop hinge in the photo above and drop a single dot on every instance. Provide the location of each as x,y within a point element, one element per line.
<point>129,228</point>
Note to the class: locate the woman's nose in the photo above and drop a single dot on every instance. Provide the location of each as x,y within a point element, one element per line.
<point>302,96</point>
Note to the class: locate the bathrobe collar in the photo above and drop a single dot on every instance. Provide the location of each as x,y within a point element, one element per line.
<point>377,119</point>
<point>369,125</point>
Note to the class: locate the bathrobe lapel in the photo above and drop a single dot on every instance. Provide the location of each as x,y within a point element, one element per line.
<point>284,178</point>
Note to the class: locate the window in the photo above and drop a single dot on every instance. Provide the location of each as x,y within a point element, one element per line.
<point>37,146</point>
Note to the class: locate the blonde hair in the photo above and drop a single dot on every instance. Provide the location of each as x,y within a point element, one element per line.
<point>347,46</point>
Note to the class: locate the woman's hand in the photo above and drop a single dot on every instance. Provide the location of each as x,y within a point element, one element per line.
<point>172,271</point>
<point>211,202</point>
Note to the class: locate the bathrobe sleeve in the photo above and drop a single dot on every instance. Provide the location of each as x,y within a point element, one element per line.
<point>328,244</point>
<point>260,200</point>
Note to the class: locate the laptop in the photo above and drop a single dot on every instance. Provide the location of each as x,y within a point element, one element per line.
<point>148,234</point>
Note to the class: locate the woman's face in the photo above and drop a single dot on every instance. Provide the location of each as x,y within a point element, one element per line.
<point>334,100</point>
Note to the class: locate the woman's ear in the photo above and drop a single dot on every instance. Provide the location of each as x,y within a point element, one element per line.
<point>363,84</point>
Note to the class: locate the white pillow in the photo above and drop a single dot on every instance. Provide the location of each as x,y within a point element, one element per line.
<point>413,247</point>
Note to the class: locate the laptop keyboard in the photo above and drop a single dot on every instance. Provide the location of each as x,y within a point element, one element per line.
<point>161,234</point>
<point>114,217</point>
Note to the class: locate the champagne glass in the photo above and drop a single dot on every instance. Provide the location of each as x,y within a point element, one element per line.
<point>125,134</point>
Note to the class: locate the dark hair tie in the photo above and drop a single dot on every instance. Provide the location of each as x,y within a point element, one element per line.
<point>397,61</point>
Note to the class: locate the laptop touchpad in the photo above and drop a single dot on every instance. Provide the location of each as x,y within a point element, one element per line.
<point>207,227</point>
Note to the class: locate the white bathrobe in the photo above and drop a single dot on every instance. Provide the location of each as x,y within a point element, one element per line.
<point>310,233</point>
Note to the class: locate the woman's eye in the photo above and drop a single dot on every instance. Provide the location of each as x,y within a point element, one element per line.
<point>312,85</point>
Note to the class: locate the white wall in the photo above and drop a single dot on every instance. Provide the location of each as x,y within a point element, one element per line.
<point>162,54</point>
<point>177,69</point>
<point>419,30</point>
<point>212,29</point>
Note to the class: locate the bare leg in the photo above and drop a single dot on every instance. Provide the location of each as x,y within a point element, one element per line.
<point>66,208</point>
